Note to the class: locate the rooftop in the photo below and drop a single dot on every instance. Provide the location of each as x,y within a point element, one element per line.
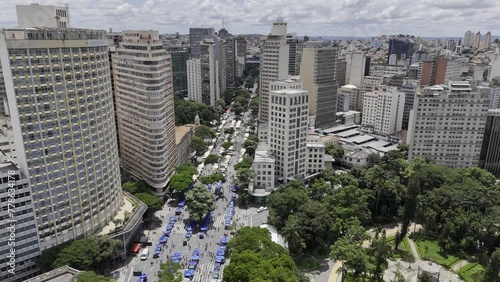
<point>181,131</point>
<point>61,274</point>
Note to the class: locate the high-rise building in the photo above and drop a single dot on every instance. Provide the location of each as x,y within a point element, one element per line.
<point>341,71</point>
<point>487,40</point>
<point>43,16</point>
<point>196,36</point>
<point>409,87</point>
<point>210,68</point>
<point>194,80</point>
<point>489,157</point>
<point>315,160</point>
<point>287,126</point>
<point>383,110</point>
<point>318,73</point>
<point>64,130</point>
<point>19,227</point>
<point>228,44</point>
<point>145,105</point>
<point>293,45</point>
<point>180,56</point>
<point>477,40</point>
<point>4,106</point>
<point>274,64</point>
<point>355,68</point>
<point>351,93</point>
<point>240,53</point>
<point>447,124</point>
<point>440,71</point>
<point>468,39</point>
<point>403,47</point>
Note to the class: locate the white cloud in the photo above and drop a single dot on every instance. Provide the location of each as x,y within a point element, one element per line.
<point>312,17</point>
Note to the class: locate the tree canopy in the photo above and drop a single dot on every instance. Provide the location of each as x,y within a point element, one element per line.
<point>255,257</point>
<point>199,201</point>
<point>186,111</point>
<point>153,202</point>
<point>198,145</point>
<point>212,159</point>
<point>170,272</point>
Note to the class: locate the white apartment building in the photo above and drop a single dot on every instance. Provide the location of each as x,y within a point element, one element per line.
<point>315,160</point>
<point>264,168</point>
<point>350,95</point>
<point>194,79</point>
<point>383,110</point>
<point>447,124</point>
<point>288,132</point>
<point>145,107</point>
<point>355,68</point>
<point>273,65</point>
<point>63,121</point>
<point>386,70</point>
<point>43,16</point>
<point>370,83</point>
<point>468,39</point>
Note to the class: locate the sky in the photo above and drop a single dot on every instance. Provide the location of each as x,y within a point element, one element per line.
<point>360,18</point>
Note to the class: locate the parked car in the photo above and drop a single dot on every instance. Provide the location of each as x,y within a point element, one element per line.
<point>261,209</point>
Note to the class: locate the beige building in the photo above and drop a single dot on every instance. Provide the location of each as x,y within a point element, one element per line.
<point>318,74</point>
<point>145,108</point>
<point>183,136</point>
<point>383,110</point>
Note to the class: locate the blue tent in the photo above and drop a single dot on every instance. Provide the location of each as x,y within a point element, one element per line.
<point>220,259</point>
<point>234,189</point>
<point>163,239</point>
<point>194,258</point>
<point>181,202</point>
<point>188,273</point>
<point>196,252</point>
<point>178,210</point>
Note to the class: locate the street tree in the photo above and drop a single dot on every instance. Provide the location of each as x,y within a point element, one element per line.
<point>249,84</point>
<point>134,187</point>
<point>180,182</point>
<point>170,272</point>
<point>353,256</point>
<point>212,159</point>
<point>198,145</point>
<point>204,132</point>
<point>335,150</point>
<point>237,108</point>
<point>226,145</point>
<point>220,106</point>
<point>492,271</point>
<point>292,233</point>
<point>379,252</point>
<point>199,201</point>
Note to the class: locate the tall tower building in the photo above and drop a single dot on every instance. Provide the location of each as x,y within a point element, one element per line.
<point>63,125</point>
<point>383,110</point>
<point>318,73</point>
<point>145,105</point>
<point>447,124</point>
<point>355,68</point>
<point>274,64</point>
<point>288,114</point>
<point>400,46</point>
<point>240,52</point>
<point>194,79</point>
<point>489,157</point>
<point>477,41</point>
<point>293,54</point>
<point>196,36</point>
<point>487,40</point>
<point>228,45</point>
<point>211,78</point>
<point>409,87</point>
<point>180,56</point>
<point>468,39</point>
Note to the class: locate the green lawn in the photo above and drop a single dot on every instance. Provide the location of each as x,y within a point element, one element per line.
<point>404,247</point>
<point>429,249</point>
<point>349,278</point>
<point>471,272</point>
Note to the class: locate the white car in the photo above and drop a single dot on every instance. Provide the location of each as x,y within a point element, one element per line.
<point>261,209</point>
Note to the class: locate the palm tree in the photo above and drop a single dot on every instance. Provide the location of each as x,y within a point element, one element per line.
<point>380,250</point>
<point>292,233</point>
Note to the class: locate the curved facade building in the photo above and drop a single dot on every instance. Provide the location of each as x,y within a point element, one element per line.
<point>59,93</point>
<point>145,108</point>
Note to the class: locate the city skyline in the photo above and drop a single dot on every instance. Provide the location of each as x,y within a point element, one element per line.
<point>315,18</point>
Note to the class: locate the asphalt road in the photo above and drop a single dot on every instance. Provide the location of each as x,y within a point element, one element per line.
<point>209,244</point>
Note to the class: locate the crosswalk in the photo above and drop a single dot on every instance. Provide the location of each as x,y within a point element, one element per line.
<point>219,220</point>
<point>204,272</point>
